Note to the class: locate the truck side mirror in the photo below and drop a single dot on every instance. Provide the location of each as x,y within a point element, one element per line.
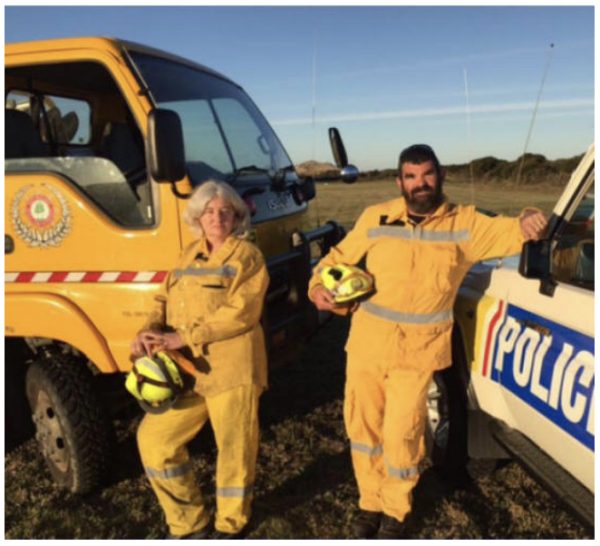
<point>348,173</point>
<point>309,191</point>
<point>166,157</point>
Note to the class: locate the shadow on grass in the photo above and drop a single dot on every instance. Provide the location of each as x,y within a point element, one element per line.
<point>327,473</point>
<point>314,377</point>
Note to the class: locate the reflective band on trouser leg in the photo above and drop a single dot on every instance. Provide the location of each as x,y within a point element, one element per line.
<point>162,440</point>
<point>362,448</point>
<point>363,416</point>
<point>234,419</point>
<point>403,437</point>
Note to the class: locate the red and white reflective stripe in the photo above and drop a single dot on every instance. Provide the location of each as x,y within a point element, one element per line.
<point>85,276</point>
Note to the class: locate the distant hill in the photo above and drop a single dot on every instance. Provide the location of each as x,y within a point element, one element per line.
<point>320,171</point>
<point>535,169</point>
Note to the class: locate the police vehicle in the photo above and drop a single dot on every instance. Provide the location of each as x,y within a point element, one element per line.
<point>523,373</point>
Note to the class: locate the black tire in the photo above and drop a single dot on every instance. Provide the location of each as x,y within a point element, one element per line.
<point>71,427</point>
<point>448,420</point>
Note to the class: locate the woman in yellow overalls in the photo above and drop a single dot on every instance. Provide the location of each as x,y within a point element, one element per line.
<point>214,299</point>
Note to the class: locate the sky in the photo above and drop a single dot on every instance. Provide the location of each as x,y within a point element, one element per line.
<point>465,79</point>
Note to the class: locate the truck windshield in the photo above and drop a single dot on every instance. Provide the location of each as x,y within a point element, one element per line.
<point>225,135</point>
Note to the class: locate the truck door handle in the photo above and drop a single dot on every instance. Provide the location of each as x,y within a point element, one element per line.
<point>9,244</point>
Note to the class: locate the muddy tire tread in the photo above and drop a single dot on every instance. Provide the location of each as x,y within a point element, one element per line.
<point>70,386</point>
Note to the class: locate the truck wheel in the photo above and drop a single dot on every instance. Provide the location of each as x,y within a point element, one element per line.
<point>71,428</point>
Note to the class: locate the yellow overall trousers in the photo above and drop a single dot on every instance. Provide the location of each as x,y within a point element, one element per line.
<point>162,440</point>
<point>385,416</point>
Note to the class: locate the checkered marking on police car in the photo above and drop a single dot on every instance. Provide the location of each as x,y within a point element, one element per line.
<point>84,276</point>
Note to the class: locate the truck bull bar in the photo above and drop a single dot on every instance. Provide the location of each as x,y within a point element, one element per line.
<point>289,315</point>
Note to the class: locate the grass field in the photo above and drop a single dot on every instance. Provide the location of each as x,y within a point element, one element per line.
<point>304,487</point>
<point>343,202</point>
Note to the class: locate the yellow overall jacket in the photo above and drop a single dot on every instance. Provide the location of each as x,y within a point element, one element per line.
<point>214,301</point>
<point>418,268</point>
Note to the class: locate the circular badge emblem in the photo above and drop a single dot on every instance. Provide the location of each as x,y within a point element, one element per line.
<point>40,215</point>
<point>40,211</point>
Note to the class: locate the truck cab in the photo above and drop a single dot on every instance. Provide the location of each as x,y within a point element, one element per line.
<point>104,140</point>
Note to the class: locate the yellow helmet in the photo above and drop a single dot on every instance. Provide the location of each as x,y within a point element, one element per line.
<point>155,382</point>
<point>346,282</point>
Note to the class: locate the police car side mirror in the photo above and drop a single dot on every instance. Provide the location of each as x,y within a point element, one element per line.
<point>535,259</point>
<point>166,158</point>
<point>535,264</point>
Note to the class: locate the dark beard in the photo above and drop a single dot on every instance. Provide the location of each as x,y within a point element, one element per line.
<point>424,202</point>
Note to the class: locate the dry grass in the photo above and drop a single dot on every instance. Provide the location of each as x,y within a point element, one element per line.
<point>344,202</point>
<point>305,487</point>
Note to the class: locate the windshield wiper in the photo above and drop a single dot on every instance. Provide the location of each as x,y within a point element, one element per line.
<point>248,169</point>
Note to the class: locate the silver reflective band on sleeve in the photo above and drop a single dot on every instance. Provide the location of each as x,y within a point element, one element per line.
<point>402,473</point>
<point>410,318</point>
<point>223,271</point>
<point>168,473</point>
<point>234,491</point>
<point>422,234</point>
<point>364,448</point>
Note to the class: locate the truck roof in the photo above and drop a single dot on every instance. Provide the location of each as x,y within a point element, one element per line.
<point>115,45</point>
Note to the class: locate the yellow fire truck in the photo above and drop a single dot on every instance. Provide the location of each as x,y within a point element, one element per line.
<point>104,139</point>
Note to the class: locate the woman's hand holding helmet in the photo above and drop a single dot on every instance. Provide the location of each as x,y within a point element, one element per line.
<point>148,342</point>
<point>171,341</point>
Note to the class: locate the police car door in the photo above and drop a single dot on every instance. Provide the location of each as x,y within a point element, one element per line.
<point>547,346</point>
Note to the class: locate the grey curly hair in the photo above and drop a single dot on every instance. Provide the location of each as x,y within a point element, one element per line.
<point>205,193</point>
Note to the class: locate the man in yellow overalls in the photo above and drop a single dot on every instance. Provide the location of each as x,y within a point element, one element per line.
<point>418,248</point>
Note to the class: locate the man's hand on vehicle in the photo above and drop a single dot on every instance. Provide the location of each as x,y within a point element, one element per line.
<point>533,224</point>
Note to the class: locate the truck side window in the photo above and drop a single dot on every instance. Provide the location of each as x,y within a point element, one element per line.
<point>573,253</point>
<point>72,119</point>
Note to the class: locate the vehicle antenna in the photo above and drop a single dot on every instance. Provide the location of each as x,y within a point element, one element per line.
<point>535,108</point>
<point>469,141</point>
<point>314,116</point>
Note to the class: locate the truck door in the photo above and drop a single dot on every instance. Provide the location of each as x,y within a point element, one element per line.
<point>84,221</point>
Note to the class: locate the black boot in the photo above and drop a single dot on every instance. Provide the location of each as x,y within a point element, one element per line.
<point>365,524</point>
<point>390,528</point>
